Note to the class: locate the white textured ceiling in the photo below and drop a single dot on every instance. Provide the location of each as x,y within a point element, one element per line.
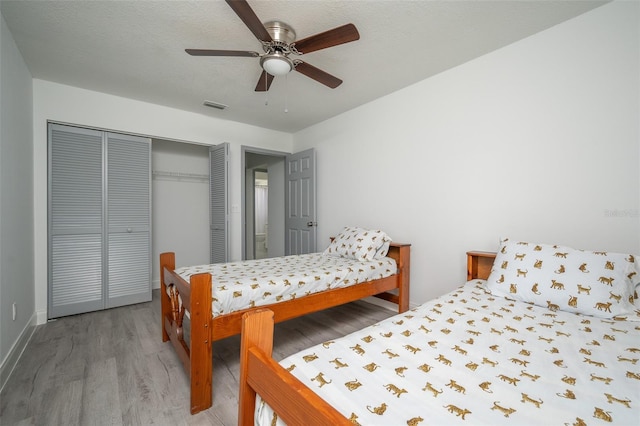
<point>135,49</point>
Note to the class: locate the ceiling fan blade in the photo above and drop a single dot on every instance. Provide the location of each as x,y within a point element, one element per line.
<point>318,75</point>
<point>209,52</point>
<point>250,19</point>
<point>334,37</point>
<point>264,82</point>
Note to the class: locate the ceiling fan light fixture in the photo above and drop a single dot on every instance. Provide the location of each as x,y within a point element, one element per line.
<point>276,64</point>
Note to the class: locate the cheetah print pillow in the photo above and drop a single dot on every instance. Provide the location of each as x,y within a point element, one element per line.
<point>359,244</point>
<point>595,283</point>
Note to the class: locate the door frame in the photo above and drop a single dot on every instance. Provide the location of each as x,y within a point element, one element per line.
<point>280,155</point>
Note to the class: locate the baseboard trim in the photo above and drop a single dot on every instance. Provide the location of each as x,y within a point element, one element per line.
<point>385,304</point>
<point>10,362</point>
<point>41,317</point>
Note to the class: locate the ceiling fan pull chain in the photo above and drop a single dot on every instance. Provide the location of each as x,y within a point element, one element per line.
<point>286,99</point>
<point>266,92</point>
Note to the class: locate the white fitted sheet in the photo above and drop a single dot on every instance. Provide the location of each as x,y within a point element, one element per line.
<point>472,358</point>
<point>240,285</point>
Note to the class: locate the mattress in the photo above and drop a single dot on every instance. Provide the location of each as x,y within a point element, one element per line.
<point>470,357</point>
<point>240,285</point>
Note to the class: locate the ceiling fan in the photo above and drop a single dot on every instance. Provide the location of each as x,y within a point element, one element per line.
<point>279,42</point>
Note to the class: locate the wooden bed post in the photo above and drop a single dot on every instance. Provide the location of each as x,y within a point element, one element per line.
<point>401,253</point>
<point>294,402</point>
<point>404,269</point>
<point>201,354</point>
<point>257,331</point>
<point>167,260</point>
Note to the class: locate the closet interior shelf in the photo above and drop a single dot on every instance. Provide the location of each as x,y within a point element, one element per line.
<point>160,174</point>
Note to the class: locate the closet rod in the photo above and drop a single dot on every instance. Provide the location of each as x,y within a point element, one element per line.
<point>180,175</point>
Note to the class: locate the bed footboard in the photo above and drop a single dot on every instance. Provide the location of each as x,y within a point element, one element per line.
<point>295,403</point>
<point>196,298</point>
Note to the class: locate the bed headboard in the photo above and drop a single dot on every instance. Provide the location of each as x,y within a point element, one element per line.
<point>395,249</point>
<point>479,264</point>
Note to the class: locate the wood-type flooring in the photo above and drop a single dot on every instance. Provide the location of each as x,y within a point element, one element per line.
<point>111,368</point>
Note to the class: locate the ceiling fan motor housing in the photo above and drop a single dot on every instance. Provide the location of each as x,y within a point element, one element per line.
<point>280,32</point>
<point>276,60</point>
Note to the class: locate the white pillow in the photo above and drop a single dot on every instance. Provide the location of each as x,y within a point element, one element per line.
<point>593,283</point>
<point>359,244</point>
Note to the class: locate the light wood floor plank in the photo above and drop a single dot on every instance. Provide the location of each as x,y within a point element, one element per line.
<point>100,400</point>
<point>62,405</point>
<point>112,368</point>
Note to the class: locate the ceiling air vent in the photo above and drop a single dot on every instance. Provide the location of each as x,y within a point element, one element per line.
<point>215,105</point>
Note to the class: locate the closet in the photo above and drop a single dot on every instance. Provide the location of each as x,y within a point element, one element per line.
<point>99,220</point>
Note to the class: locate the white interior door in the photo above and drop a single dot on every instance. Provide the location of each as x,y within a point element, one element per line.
<point>300,201</point>
<point>128,220</point>
<point>75,221</point>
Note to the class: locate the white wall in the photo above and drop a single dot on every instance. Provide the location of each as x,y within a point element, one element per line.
<point>537,141</point>
<point>68,104</point>
<point>16,204</point>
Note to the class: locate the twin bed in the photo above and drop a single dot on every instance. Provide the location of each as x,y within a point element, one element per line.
<point>210,300</point>
<point>539,334</point>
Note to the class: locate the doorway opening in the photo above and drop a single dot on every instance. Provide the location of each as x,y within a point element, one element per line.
<point>261,213</point>
<point>263,206</point>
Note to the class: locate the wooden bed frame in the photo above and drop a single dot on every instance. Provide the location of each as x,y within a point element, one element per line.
<point>295,403</point>
<point>196,298</point>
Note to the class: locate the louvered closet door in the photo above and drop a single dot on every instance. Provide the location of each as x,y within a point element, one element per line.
<point>218,203</point>
<point>75,216</point>
<point>128,220</point>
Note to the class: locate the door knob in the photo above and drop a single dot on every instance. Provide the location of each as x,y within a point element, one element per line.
<point>312,224</point>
